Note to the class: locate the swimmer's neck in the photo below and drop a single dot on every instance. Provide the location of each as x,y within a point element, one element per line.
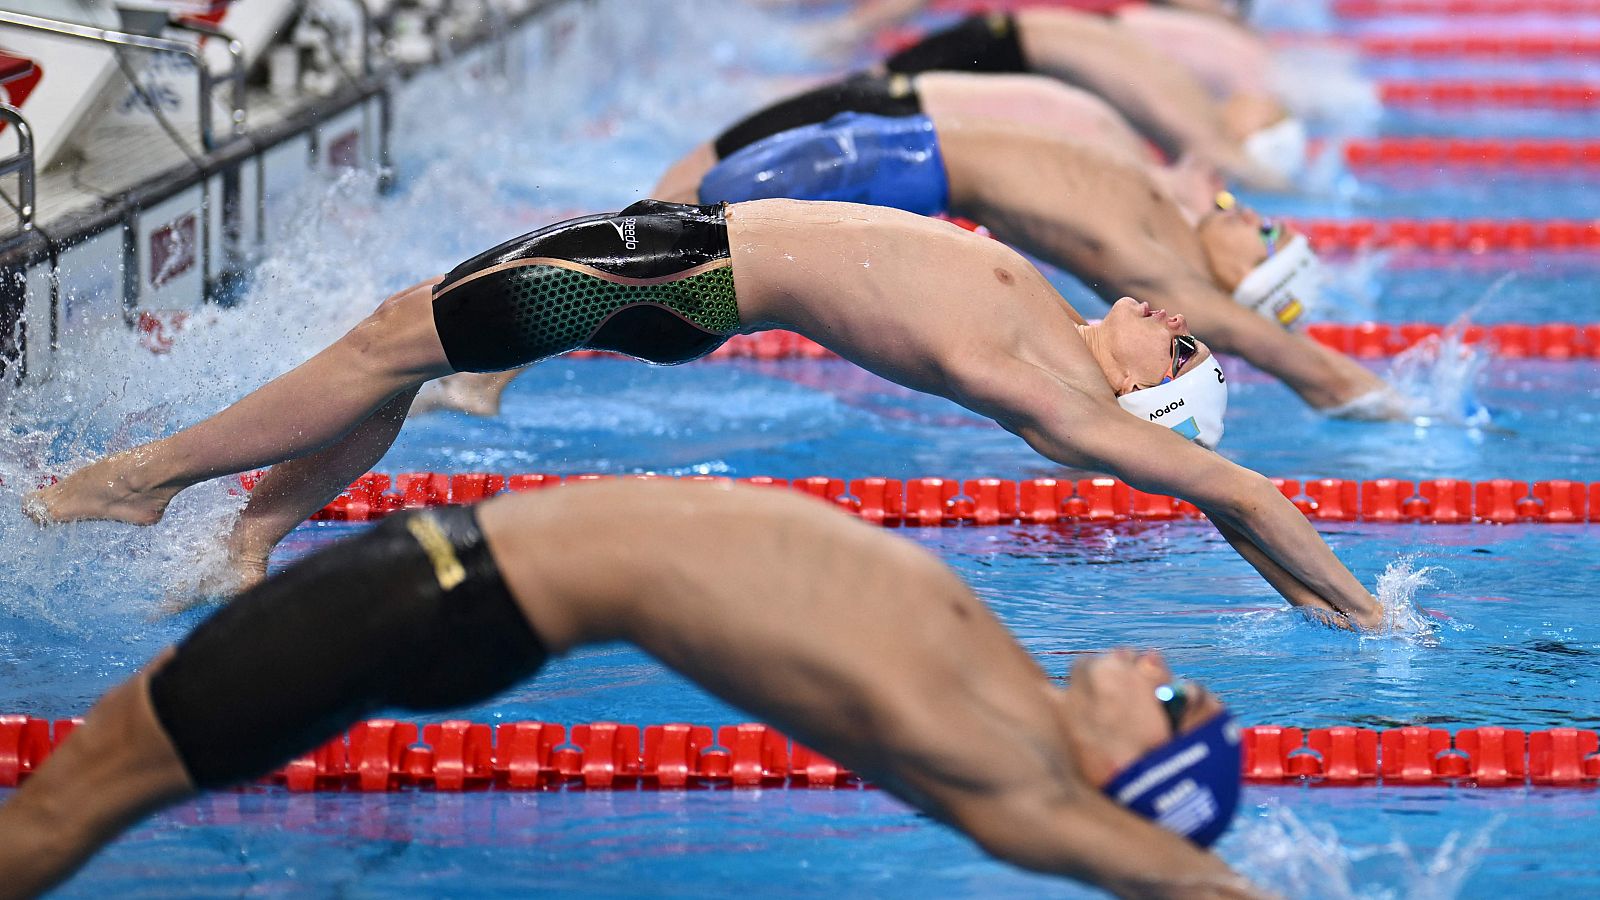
<point>1117,375</point>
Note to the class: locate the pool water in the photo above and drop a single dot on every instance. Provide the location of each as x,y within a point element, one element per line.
<point>1510,638</point>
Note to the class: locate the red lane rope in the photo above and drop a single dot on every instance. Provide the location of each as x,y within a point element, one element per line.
<point>1523,46</point>
<point>1438,152</point>
<point>932,501</point>
<point>1454,235</point>
<point>1370,9</point>
<point>1366,340</point>
<point>1566,95</point>
<point>386,755</point>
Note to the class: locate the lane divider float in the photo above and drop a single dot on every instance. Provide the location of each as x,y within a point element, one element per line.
<point>1374,9</point>
<point>1432,152</point>
<point>930,502</point>
<point>388,755</point>
<point>1481,94</point>
<point>1453,235</point>
<point>1365,340</point>
<point>1541,45</point>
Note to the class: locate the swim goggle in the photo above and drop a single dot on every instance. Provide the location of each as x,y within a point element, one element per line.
<point>1174,700</point>
<point>1184,348</point>
<point>1271,234</point>
<point>1271,231</point>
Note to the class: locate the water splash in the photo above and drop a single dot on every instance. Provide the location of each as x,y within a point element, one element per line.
<point>1396,591</point>
<point>1304,859</point>
<point>480,161</point>
<point>1439,375</point>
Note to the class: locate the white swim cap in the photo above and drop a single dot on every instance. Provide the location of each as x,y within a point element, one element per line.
<point>1286,285</point>
<point>1192,404</point>
<point>1280,148</point>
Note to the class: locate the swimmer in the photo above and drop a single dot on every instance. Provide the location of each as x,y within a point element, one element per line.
<point>767,599</point>
<point>1242,283</point>
<point>920,302</point>
<point>1046,105</point>
<point>1249,136</point>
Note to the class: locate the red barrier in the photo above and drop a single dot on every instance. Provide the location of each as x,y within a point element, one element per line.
<point>1368,9</point>
<point>1452,235</point>
<point>1561,95</point>
<point>992,501</point>
<point>1410,755</point>
<point>1436,153</point>
<point>1373,340</point>
<point>1349,755</point>
<point>1450,46</point>
<point>1563,756</point>
<point>24,744</point>
<point>1496,756</point>
<point>384,755</point>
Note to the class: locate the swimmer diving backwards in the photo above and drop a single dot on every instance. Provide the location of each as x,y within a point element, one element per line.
<point>1120,779</point>
<point>912,299</point>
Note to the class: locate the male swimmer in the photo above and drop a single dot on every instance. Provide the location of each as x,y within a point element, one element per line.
<point>1242,283</point>
<point>920,302</point>
<point>858,644</point>
<point>1249,136</point>
<point>1043,104</point>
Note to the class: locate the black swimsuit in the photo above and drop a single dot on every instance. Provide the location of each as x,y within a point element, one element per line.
<point>653,281</point>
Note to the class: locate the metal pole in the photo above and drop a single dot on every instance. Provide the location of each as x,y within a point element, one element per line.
<point>21,163</point>
<point>123,39</point>
<point>236,72</point>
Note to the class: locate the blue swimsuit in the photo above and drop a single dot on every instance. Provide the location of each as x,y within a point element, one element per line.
<point>852,157</point>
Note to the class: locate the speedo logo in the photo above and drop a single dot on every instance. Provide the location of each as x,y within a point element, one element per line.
<point>1166,409</point>
<point>626,230</point>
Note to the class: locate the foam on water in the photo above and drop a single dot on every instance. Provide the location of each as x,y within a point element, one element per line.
<point>1306,859</point>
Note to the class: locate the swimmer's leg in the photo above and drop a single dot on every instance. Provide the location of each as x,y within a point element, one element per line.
<point>681,182</point>
<point>118,767</point>
<point>473,393</point>
<point>304,410</point>
<point>291,491</point>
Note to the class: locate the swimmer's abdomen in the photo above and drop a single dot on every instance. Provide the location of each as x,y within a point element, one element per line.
<point>525,313</point>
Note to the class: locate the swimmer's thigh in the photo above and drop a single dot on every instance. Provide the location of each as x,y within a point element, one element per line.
<point>411,614</point>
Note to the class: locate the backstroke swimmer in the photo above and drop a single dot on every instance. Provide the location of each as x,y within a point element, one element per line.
<point>912,299</point>
<point>858,644</point>
<point>1049,107</point>
<point>1244,283</point>
<point>1250,136</point>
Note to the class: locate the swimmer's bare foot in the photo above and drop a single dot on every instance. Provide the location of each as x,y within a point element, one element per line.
<point>101,490</point>
<point>467,392</point>
<point>239,573</point>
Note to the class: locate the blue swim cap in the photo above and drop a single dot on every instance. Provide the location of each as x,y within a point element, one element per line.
<point>1189,785</point>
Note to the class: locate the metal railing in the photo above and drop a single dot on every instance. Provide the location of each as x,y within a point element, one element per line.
<point>235,54</point>
<point>187,50</point>
<point>20,164</point>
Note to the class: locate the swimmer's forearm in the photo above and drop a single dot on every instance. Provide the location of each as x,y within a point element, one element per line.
<point>1275,537</point>
<point>1289,587</point>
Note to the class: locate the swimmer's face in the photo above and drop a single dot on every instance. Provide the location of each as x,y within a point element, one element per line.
<point>1236,241</point>
<point>1117,718</point>
<point>1140,341</point>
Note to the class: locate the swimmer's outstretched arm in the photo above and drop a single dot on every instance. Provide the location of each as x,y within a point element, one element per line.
<point>1257,520</point>
<point>1165,102</point>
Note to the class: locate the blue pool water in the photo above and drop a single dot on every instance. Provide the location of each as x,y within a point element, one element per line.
<point>1511,637</point>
